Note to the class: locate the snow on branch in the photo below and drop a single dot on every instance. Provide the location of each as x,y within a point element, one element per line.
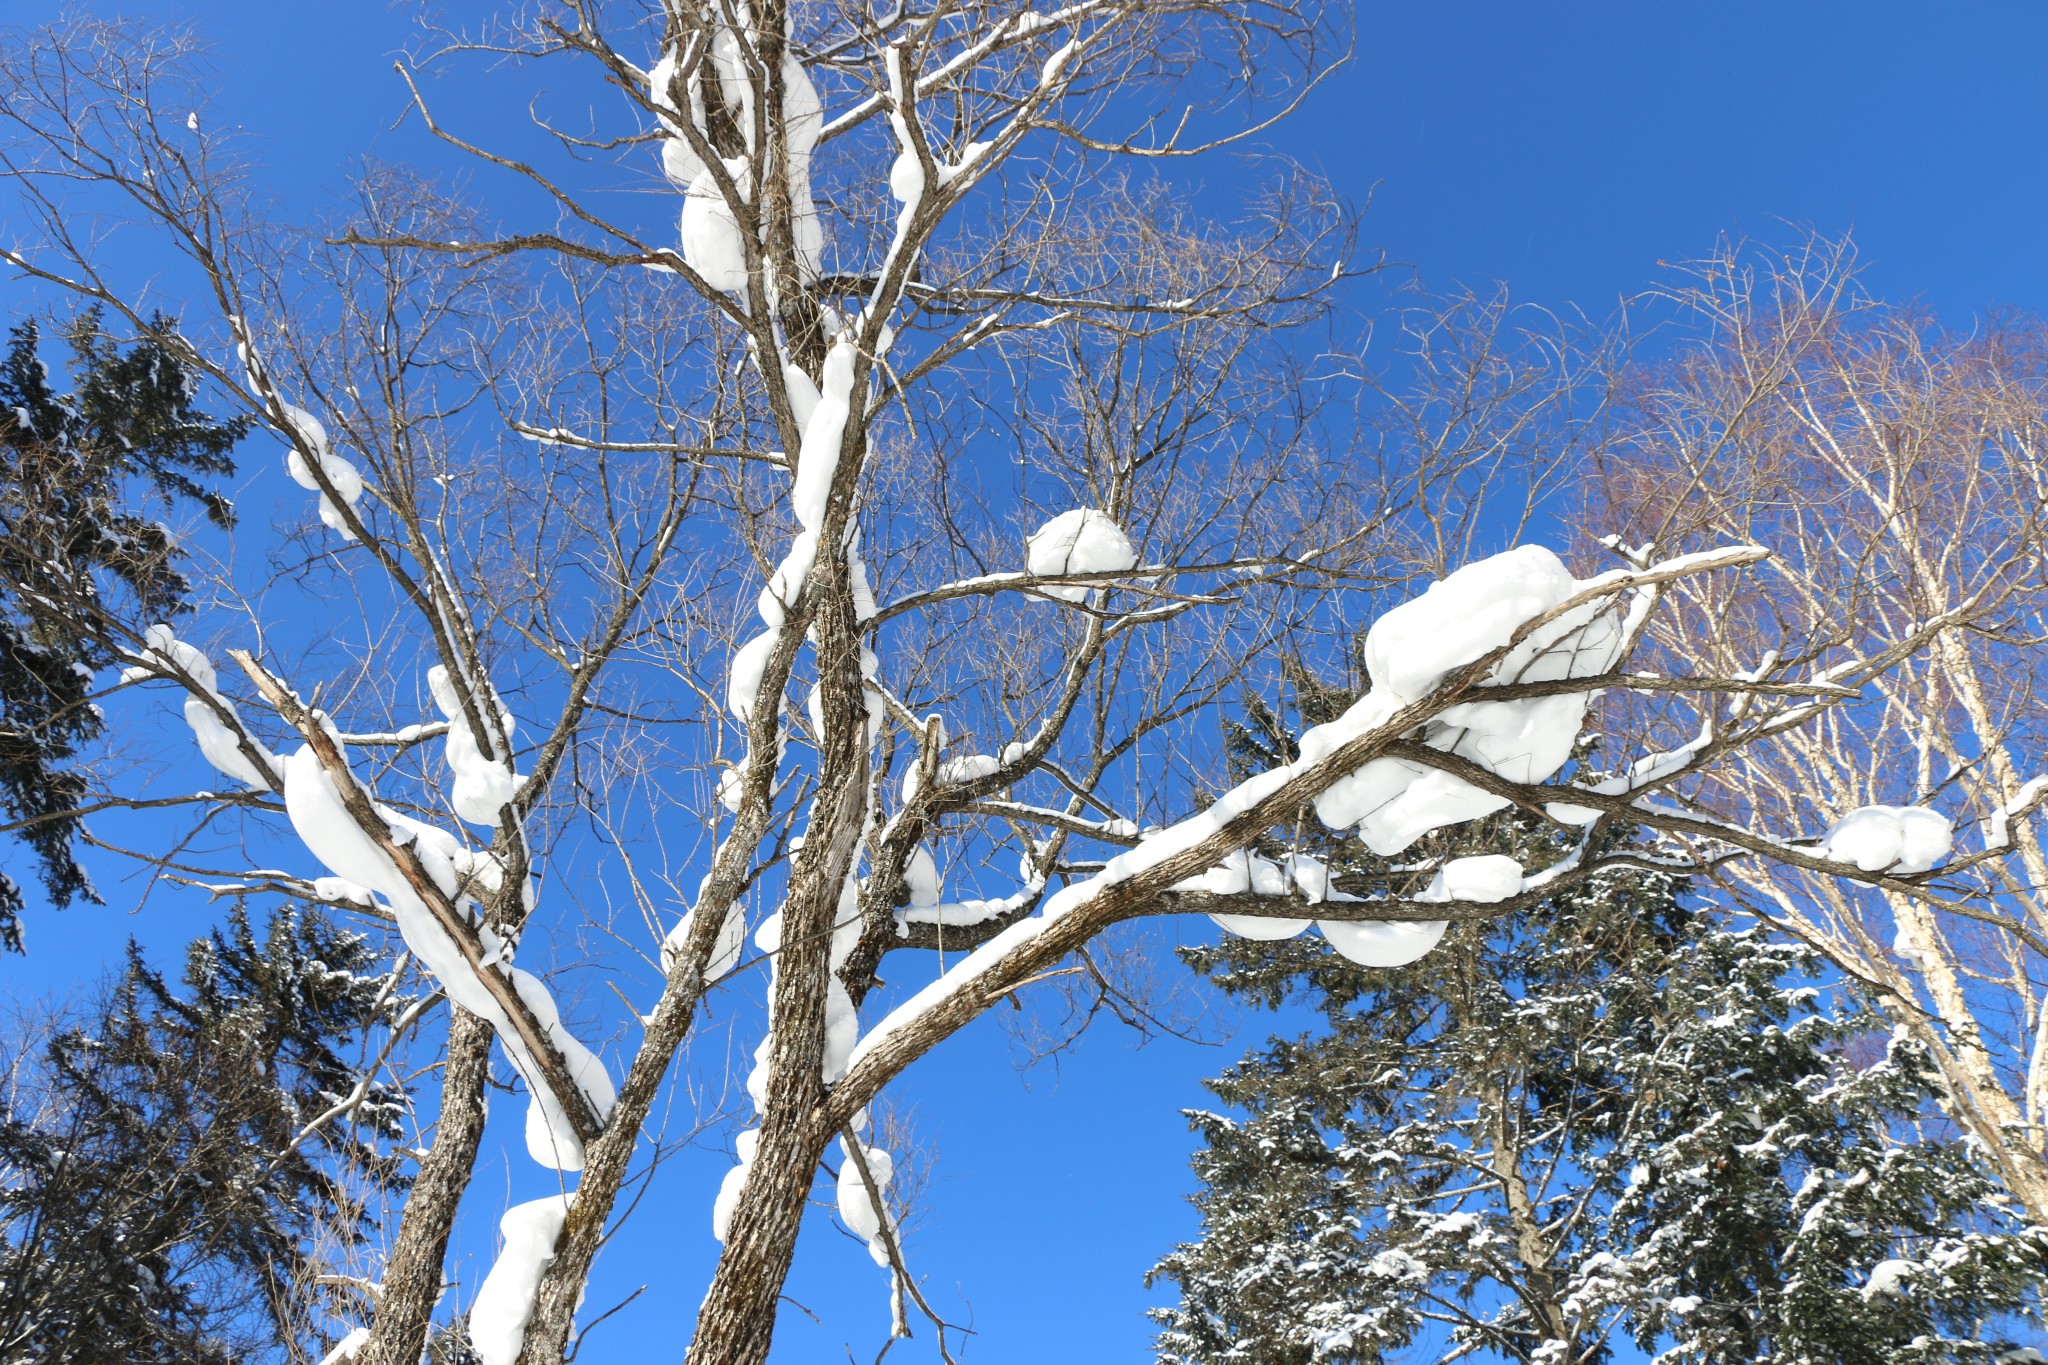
<point>216,725</point>
<point>429,879</point>
<point>1517,618</point>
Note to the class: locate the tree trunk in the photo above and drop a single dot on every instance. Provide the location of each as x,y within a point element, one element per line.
<point>412,1274</point>
<point>737,1321</point>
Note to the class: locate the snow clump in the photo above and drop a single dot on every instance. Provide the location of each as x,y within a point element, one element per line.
<point>309,434</point>
<point>484,784</point>
<point>1243,873</point>
<point>1899,839</point>
<point>1083,540</point>
<point>1487,880</point>
<point>345,1349</point>
<point>711,240</point>
<point>859,1208</point>
<point>735,1180</point>
<point>968,768</point>
<point>504,1302</point>
<point>1885,1278</point>
<point>1410,651</point>
<point>1383,943</point>
<point>725,953</point>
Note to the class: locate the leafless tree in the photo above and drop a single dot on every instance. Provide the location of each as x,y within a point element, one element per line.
<point>1897,469</point>
<point>916,514</point>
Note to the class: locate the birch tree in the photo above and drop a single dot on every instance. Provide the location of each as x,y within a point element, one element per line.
<point>833,558</point>
<point>1899,468</point>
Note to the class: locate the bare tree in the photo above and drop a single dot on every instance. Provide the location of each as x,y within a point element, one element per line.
<point>1898,469</point>
<point>908,521</point>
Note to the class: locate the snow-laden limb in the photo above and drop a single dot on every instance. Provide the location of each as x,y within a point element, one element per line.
<point>1370,943</point>
<point>429,880</point>
<point>925,925</point>
<point>403,737</point>
<point>468,959</point>
<point>504,1302</point>
<point>817,469</point>
<point>1485,880</point>
<point>1532,623</point>
<point>1114,830</point>
<point>216,725</point>
<point>958,914</point>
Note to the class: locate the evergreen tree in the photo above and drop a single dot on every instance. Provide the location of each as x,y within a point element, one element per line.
<point>165,1190</point>
<point>80,569</point>
<point>1607,1117</point>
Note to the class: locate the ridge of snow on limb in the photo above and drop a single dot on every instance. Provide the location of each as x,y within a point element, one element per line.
<point>504,1301</point>
<point>220,741</point>
<point>1520,606</point>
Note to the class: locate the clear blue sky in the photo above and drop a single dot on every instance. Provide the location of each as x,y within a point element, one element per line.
<point>1566,149</point>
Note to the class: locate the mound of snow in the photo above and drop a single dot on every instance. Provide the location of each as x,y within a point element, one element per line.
<point>1382,943</point>
<point>968,768</point>
<point>484,785</point>
<point>1246,873</point>
<point>858,1207</point>
<point>504,1302</point>
<point>1456,620</point>
<point>218,742</point>
<point>1486,880</point>
<point>1886,1277</point>
<point>735,1180</point>
<point>710,235</point>
<point>1083,540</point>
<point>347,481</point>
<point>1902,839</point>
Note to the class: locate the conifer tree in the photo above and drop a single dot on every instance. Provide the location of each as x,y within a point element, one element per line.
<point>1609,1117</point>
<point>80,569</point>
<point>175,1162</point>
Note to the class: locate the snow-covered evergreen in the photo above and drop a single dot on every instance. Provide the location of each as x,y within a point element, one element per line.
<point>177,1165</point>
<point>1608,1117</point>
<point>82,572</point>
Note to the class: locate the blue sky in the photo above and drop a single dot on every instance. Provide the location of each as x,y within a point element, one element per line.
<point>1566,149</point>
